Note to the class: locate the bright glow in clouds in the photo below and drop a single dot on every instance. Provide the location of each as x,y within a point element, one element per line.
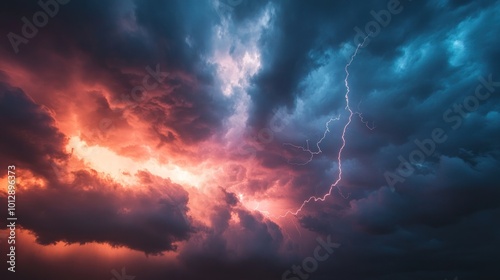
<point>238,58</point>
<point>104,160</point>
<point>234,72</point>
<point>236,52</point>
<point>247,154</point>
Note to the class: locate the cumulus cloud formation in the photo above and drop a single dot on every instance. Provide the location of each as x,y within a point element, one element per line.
<point>194,139</point>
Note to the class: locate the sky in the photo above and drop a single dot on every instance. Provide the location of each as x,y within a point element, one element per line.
<point>251,139</point>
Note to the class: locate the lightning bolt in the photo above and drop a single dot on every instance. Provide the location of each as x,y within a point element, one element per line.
<point>372,127</point>
<point>339,155</point>
<point>307,149</point>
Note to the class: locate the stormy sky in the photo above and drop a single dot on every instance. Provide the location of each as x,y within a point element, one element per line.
<point>251,139</point>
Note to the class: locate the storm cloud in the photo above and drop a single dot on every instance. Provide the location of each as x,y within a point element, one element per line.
<point>222,139</point>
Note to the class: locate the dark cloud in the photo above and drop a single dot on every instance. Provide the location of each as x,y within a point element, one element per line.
<point>31,140</point>
<point>92,209</point>
<point>118,57</point>
<point>412,77</point>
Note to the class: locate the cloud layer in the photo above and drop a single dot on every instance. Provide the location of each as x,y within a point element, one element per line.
<point>172,137</point>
